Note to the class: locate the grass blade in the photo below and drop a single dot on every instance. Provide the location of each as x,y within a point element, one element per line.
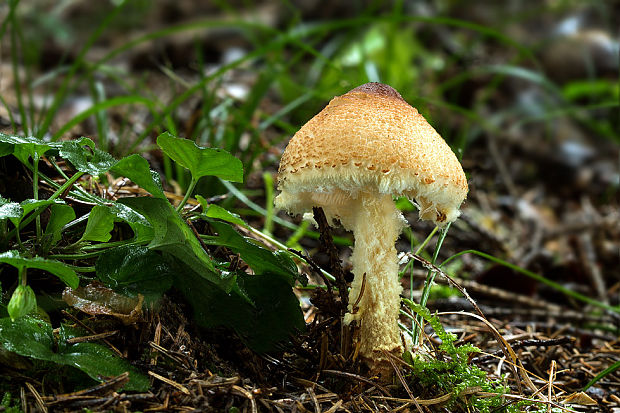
<point>100,106</point>
<point>79,61</point>
<point>539,278</point>
<point>602,374</point>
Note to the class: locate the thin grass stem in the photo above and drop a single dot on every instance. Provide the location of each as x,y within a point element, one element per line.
<point>64,89</point>
<point>417,252</point>
<point>298,234</point>
<point>430,277</point>
<point>269,212</point>
<point>15,68</point>
<point>538,278</point>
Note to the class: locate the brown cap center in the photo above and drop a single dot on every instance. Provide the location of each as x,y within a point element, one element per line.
<point>376,88</point>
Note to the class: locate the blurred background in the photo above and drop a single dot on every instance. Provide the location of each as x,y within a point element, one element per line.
<point>525,92</point>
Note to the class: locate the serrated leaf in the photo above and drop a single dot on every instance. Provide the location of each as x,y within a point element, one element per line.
<point>59,269</point>
<point>60,216</point>
<point>136,168</point>
<point>100,224</point>
<point>85,157</point>
<point>201,161</point>
<point>31,337</point>
<point>173,236</point>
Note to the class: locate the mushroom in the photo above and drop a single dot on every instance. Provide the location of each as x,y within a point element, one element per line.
<point>350,159</point>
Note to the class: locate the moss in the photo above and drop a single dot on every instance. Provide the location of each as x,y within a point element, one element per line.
<point>455,375</point>
<point>10,404</point>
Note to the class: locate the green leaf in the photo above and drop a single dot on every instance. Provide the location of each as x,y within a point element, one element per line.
<point>259,258</point>
<point>136,168</point>
<point>28,141</point>
<point>609,370</point>
<point>142,229</point>
<point>31,337</point>
<point>100,224</point>
<point>216,211</point>
<point>85,157</point>
<point>30,205</point>
<point>173,236</point>
<point>264,324</point>
<point>6,149</point>
<point>557,286</point>
<point>26,146</point>
<point>201,161</point>
<point>59,269</point>
<point>11,210</point>
<point>22,302</point>
<point>60,216</point>
<point>132,269</point>
<point>600,88</point>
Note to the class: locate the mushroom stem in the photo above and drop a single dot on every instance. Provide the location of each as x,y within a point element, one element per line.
<point>374,299</point>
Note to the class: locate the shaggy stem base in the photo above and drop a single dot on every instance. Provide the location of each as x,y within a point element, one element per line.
<point>374,298</point>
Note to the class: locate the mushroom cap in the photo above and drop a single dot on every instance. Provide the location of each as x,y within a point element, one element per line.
<point>371,140</point>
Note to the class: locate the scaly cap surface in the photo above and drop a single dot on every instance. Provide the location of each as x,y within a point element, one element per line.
<point>371,140</point>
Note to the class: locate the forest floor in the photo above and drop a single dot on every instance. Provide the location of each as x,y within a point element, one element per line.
<point>538,241</point>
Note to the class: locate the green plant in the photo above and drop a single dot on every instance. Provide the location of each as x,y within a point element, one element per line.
<point>35,338</point>
<point>159,252</point>
<point>293,68</point>
<point>539,278</point>
<point>10,403</point>
<point>449,371</point>
<point>453,374</point>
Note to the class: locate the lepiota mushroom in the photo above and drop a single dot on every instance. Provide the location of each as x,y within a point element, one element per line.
<point>350,159</point>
